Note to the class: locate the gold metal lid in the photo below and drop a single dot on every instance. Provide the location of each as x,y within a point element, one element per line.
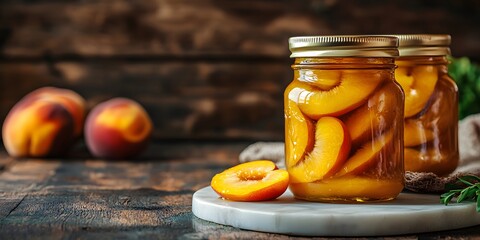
<point>343,46</point>
<point>423,44</point>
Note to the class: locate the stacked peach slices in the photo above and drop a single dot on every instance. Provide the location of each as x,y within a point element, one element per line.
<point>428,100</point>
<point>339,141</point>
<point>339,134</point>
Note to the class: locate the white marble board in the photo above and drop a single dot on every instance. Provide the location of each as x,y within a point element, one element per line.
<point>409,213</point>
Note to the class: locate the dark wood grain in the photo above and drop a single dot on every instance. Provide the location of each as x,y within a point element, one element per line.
<point>207,71</point>
<point>147,198</point>
<point>203,69</point>
<point>184,100</point>
<point>212,28</point>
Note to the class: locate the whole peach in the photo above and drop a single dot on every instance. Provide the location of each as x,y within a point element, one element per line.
<point>71,100</point>
<point>37,128</point>
<point>117,128</point>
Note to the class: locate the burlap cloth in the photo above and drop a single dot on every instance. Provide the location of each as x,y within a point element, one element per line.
<point>469,148</point>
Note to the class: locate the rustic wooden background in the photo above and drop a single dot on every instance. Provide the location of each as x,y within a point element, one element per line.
<point>203,69</point>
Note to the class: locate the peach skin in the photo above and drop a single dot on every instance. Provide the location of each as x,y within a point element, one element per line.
<point>71,100</point>
<point>117,128</point>
<point>38,128</point>
<point>252,181</point>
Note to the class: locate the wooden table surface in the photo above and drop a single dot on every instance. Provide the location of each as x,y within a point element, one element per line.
<point>147,198</point>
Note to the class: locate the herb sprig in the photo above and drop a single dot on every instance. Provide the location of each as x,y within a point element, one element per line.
<point>467,188</point>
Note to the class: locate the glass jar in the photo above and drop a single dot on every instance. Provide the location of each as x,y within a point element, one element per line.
<point>431,104</point>
<point>344,119</point>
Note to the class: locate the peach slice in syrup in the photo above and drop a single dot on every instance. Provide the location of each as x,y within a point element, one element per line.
<point>429,160</point>
<point>377,114</point>
<point>332,146</point>
<point>435,119</point>
<point>323,79</point>
<point>299,137</point>
<point>418,86</point>
<point>353,90</point>
<point>365,155</point>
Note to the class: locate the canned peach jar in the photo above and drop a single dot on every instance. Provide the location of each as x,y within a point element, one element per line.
<point>344,119</point>
<point>431,104</point>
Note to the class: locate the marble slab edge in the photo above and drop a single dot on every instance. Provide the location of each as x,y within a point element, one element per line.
<point>409,213</point>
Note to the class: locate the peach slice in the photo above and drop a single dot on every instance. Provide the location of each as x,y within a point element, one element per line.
<point>252,181</point>
<point>365,156</point>
<point>431,160</point>
<point>404,77</point>
<point>353,90</point>
<point>377,114</point>
<point>298,136</point>
<point>358,189</point>
<point>416,133</point>
<point>323,79</point>
<point>332,146</point>
<point>418,90</point>
<point>434,119</point>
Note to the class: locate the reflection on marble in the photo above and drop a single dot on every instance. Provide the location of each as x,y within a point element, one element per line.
<point>409,213</point>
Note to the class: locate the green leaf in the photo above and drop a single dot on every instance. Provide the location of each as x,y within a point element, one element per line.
<point>447,197</point>
<point>470,178</point>
<point>467,76</point>
<point>465,180</point>
<point>467,194</point>
<point>478,201</point>
<point>451,186</point>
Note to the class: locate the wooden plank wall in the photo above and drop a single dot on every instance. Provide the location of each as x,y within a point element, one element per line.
<point>204,69</point>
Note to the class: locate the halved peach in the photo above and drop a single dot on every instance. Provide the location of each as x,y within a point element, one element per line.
<point>332,146</point>
<point>418,90</point>
<point>377,114</point>
<point>365,156</point>
<point>252,181</point>
<point>353,90</point>
<point>299,137</point>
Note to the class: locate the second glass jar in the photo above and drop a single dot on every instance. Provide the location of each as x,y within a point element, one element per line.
<point>431,103</point>
<point>344,119</point>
